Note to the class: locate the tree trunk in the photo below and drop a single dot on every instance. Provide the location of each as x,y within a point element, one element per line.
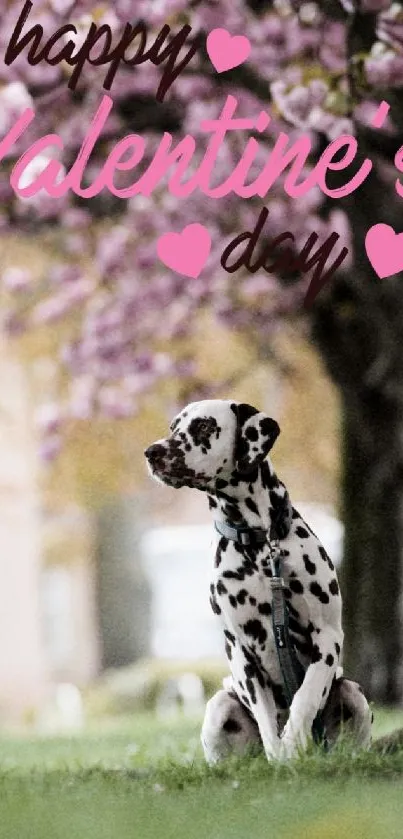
<point>358,326</point>
<point>371,577</point>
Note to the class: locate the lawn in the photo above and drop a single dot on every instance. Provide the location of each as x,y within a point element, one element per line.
<point>146,778</point>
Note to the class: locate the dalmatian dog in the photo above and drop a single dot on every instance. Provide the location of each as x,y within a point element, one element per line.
<point>220,447</point>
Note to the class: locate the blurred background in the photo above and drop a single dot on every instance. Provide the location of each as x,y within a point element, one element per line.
<point>104,575</point>
<point>102,568</point>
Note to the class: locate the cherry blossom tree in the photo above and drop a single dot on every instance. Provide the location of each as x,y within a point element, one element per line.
<point>321,68</point>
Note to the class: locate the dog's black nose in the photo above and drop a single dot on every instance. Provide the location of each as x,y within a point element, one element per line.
<point>155,453</point>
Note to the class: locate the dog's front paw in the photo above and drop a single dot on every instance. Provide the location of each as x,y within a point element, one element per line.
<point>289,748</point>
<point>272,750</point>
<point>292,745</point>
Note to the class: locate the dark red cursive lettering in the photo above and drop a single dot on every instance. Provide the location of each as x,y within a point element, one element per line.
<point>285,260</point>
<point>163,50</point>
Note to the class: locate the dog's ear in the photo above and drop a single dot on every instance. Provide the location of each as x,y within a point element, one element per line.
<point>256,433</point>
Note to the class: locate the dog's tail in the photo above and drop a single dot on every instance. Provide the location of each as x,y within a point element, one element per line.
<point>389,743</point>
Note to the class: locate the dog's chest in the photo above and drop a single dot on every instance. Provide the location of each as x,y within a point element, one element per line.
<point>241,595</point>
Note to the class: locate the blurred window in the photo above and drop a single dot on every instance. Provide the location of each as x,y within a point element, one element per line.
<point>57,602</point>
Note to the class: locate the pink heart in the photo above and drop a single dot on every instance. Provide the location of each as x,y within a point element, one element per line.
<point>227,51</point>
<point>384,249</point>
<point>186,252</point>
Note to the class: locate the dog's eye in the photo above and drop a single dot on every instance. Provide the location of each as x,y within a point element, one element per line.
<point>174,424</point>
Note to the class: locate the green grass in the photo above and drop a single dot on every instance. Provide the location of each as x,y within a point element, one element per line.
<point>144,778</point>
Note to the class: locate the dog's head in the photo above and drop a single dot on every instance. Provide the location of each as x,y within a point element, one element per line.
<point>212,441</point>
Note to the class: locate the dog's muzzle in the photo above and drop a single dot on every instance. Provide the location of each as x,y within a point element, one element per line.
<point>157,456</point>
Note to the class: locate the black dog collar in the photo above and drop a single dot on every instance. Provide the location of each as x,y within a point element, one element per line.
<point>241,535</point>
<point>280,527</point>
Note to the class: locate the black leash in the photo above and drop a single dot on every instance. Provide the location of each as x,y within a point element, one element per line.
<point>292,671</point>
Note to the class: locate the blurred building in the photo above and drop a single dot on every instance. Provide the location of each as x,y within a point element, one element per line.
<point>47,611</point>
<point>23,666</point>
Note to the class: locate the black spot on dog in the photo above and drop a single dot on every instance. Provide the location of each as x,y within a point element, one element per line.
<point>252,434</point>
<point>296,586</point>
<point>228,651</point>
<point>241,596</point>
<point>234,575</point>
<point>301,532</point>
<point>337,648</point>
<point>252,601</point>
<point>333,587</point>
<point>264,609</point>
<point>229,636</point>
<point>214,605</point>
<point>252,506</point>
<point>233,601</point>
<point>324,691</point>
<point>250,687</point>
<point>202,429</point>
<point>256,630</point>
<point>309,565</point>
<point>316,654</point>
<point>212,503</point>
<point>251,668</point>
<point>232,726</point>
<point>329,660</point>
<point>325,557</point>
<point>318,592</point>
<point>221,548</point>
<point>221,484</point>
<point>220,588</point>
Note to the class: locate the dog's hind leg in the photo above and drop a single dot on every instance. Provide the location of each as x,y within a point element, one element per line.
<point>347,714</point>
<point>227,728</point>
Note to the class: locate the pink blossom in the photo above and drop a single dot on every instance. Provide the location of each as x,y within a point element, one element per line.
<point>127,317</point>
<point>16,279</point>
